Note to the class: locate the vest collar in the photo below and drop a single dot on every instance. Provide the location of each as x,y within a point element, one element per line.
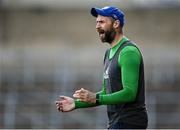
<point>115,48</point>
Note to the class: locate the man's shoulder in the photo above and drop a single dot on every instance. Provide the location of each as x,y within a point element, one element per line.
<point>130,49</point>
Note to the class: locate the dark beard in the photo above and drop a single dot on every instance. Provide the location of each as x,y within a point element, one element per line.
<point>109,36</point>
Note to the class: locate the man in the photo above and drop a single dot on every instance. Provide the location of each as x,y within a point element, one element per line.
<point>123,79</point>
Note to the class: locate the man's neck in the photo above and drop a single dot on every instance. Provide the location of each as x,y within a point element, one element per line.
<point>117,38</point>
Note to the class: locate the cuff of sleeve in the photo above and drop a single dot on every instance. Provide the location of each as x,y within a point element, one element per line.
<point>77,103</point>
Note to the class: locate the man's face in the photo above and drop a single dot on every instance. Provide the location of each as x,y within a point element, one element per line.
<point>104,27</point>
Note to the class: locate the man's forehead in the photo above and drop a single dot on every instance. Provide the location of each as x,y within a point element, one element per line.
<point>100,17</point>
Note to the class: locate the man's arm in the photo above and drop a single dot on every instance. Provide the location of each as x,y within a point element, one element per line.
<point>67,104</point>
<point>129,60</point>
<point>80,103</point>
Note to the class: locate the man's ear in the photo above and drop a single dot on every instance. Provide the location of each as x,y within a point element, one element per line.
<point>116,24</point>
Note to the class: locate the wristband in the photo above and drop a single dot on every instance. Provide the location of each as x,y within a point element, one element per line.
<point>97,99</point>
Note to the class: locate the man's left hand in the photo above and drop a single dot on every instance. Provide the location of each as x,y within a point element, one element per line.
<point>85,95</point>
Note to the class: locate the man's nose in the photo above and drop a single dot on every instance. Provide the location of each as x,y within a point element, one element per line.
<point>97,26</point>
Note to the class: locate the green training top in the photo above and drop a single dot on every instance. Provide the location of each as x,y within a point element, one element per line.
<point>129,59</point>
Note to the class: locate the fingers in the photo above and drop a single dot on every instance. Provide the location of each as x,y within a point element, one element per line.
<point>65,104</point>
<point>81,97</point>
<point>62,103</point>
<point>58,105</point>
<point>76,95</point>
<point>57,102</point>
<point>78,91</point>
<point>82,90</point>
<point>85,95</point>
<point>81,93</point>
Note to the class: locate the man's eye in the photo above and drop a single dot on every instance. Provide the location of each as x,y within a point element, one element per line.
<point>99,21</point>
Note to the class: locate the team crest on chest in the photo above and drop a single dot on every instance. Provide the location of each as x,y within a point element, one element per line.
<point>106,73</point>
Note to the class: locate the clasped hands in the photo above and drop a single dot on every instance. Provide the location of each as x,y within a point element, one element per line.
<point>66,104</point>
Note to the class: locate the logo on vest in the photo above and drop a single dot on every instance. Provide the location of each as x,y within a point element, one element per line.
<point>106,73</point>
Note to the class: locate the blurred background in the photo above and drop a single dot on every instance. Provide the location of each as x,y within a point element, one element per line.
<point>50,48</point>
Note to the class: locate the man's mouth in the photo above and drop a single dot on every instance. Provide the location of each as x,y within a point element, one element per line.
<point>101,33</point>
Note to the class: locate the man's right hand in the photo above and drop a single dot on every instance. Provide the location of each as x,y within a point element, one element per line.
<point>65,104</point>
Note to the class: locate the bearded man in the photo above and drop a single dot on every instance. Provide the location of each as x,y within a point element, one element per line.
<point>123,87</point>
